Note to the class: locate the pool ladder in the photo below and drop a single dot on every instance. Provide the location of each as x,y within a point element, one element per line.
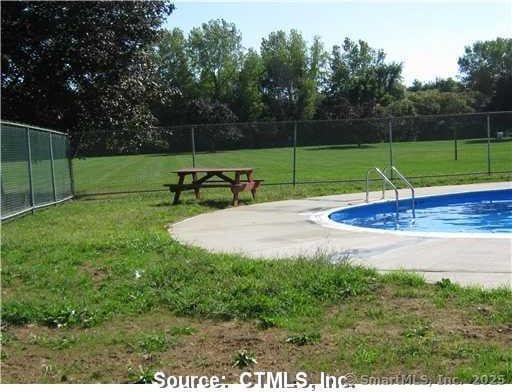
<point>387,181</point>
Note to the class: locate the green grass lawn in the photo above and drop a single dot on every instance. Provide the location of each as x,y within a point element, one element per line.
<point>315,163</point>
<point>96,290</point>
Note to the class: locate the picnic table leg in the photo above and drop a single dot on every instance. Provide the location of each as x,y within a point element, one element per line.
<point>178,191</point>
<point>235,190</point>
<point>250,179</point>
<point>235,197</point>
<point>196,190</point>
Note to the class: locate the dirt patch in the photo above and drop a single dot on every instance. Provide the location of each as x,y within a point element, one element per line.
<point>102,355</point>
<point>110,352</point>
<point>97,274</point>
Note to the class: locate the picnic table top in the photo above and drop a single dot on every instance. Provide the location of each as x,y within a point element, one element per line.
<point>213,170</point>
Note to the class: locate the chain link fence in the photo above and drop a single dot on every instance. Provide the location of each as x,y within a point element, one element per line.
<point>299,152</point>
<point>36,169</point>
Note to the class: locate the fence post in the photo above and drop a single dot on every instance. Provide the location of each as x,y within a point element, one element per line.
<point>488,145</point>
<point>53,168</point>
<point>455,148</point>
<point>30,179</point>
<point>390,126</point>
<point>70,166</point>
<point>193,141</point>
<point>294,157</point>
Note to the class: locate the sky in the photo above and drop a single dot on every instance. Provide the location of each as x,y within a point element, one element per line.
<point>427,37</point>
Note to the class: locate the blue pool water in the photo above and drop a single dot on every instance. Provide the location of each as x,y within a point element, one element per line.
<point>470,212</point>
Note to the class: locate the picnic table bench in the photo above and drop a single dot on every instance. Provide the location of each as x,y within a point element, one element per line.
<point>202,178</point>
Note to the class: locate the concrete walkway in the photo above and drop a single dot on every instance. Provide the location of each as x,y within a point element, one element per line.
<point>290,228</point>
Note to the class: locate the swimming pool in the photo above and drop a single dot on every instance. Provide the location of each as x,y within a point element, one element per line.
<point>481,212</point>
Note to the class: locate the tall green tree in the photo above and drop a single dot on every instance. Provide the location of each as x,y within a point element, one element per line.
<point>175,78</point>
<point>215,52</point>
<point>174,64</point>
<point>360,77</point>
<point>80,66</point>
<point>249,104</point>
<point>290,75</point>
<point>317,72</point>
<point>486,66</point>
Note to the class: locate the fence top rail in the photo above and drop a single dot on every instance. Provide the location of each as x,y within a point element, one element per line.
<point>285,122</point>
<point>367,119</point>
<point>31,127</point>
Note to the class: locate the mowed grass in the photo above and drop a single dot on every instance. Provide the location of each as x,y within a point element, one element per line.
<point>314,163</point>
<point>96,290</point>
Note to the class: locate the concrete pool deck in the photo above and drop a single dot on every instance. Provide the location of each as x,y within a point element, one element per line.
<point>290,228</point>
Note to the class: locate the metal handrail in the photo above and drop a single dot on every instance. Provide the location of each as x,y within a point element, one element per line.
<point>393,169</point>
<point>386,180</point>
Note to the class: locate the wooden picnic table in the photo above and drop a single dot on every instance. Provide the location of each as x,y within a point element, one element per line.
<point>202,177</point>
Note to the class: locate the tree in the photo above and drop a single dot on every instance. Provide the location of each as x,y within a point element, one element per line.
<point>448,85</point>
<point>316,77</point>
<point>291,75</point>
<point>80,66</point>
<point>432,101</point>
<point>486,66</point>
<point>175,78</point>
<point>215,55</point>
<point>249,98</point>
<point>437,102</point>
<point>401,107</point>
<point>416,85</point>
<point>360,76</point>
<point>502,97</point>
<point>207,113</point>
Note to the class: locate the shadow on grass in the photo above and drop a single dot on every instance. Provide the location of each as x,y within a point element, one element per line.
<point>175,154</point>
<point>339,147</point>
<point>484,141</point>
<point>217,204</point>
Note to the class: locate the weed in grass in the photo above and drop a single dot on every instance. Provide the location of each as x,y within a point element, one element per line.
<point>142,376</point>
<point>408,292</point>
<point>265,323</point>
<point>375,313</point>
<point>54,316</point>
<point>346,319</point>
<point>58,343</point>
<point>460,352</point>
<point>182,331</point>
<point>416,332</point>
<point>411,349</point>
<point>404,278</point>
<point>18,313</point>
<point>303,339</point>
<point>243,359</point>
<point>444,284</point>
<point>421,346</point>
<point>153,343</point>
<point>48,371</point>
<point>486,365</point>
<point>68,316</point>
<point>364,356</point>
<point>6,337</point>
<point>440,302</point>
<point>96,375</point>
